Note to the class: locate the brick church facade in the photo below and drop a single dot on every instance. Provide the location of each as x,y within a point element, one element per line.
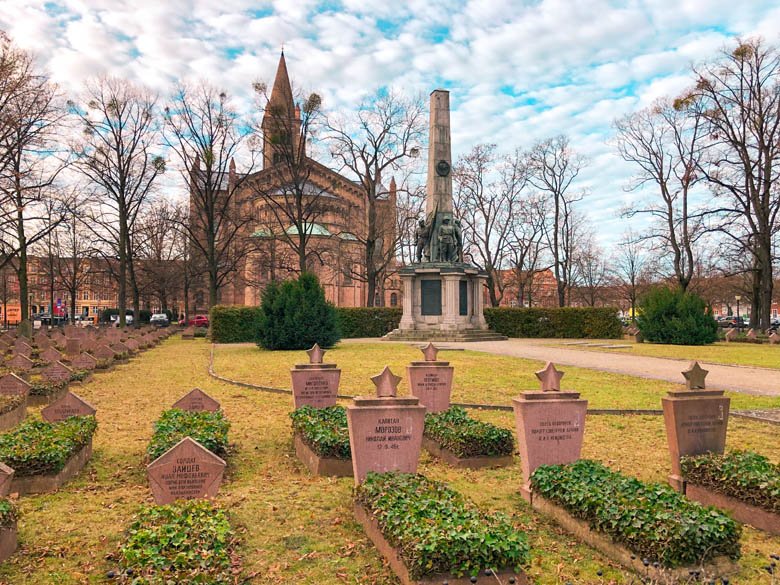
<point>334,250</point>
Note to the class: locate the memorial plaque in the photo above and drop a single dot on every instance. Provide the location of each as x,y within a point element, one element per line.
<point>431,380</point>
<point>6,477</point>
<point>187,471</point>
<point>463,298</point>
<point>385,432</point>
<point>315,384</point>
<point>550,425</point>
<point>696,423</point>
<point>72,346</point>
<point>20,362</point>
<point>67,406</point>
<point>104,353</point>
<point>56,372</point>
<point>430,301</point>
<point>13,385</point>
<point>196,400</point>
<point>84,361</point>
<point>51,355</point>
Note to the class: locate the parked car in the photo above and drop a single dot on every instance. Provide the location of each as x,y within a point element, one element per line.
<point>115,320</point>
<point>199,321</point>
<point>727,322</point>
<point>159,319</point>
<point>45,319</point>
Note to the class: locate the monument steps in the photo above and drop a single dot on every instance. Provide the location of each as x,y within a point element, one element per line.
<point>439,335</point>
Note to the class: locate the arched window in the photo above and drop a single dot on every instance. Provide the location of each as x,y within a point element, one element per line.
<point>393,299</point>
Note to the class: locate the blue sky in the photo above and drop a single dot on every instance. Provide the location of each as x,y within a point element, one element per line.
<point>517,71</point>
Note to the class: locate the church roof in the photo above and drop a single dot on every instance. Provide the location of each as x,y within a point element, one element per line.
<point>281,94</point>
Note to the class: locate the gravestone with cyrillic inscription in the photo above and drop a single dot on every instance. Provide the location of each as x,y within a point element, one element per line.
<point>431,380</point>
<point>187,471</point>
<point>315,384</point>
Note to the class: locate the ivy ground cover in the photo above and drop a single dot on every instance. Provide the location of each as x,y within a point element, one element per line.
<point>436,530</point>
<point>324,430</point>
<point>464,436</point>
<point>210,429</point>
<point>650,519</point>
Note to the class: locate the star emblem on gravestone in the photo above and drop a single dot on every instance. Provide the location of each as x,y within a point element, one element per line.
<point>550,378</point>
<point>429,352</point>
<point>386,383</point>
<point>694,376</point>
<point>315,354</point>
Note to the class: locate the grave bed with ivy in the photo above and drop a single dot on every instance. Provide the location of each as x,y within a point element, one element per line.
<point>185,542</point>
<point>453,436</point>
<point>8,532</point>
<point>45,455</point>
<point>649,527</point>
<point>13,408</point>
<point>321,440</point>
<point>45,391</point>
<point>210,429</point>
<point>743,482</point>
<point>430,533</point>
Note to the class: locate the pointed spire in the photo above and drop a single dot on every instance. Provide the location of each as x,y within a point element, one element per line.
<point>392,184</point>
<point>196,163</point>
<point>297,111</point>
<point>232,165</point>
<point>281,94</point>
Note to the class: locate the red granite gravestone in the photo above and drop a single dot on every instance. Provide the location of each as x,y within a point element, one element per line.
<point>550,425</point>
<point>20,362</point>
<point>751,334</point>
<point>731,334</point>
<point>11,384</point>
<point>72,346</point>
<point>42,341</point>
<point>196,400</point>
<point>385,431</point>
<point>132,344</point>
<point>315,384</point>
<point>22,348</point>
<point>696,421</point>
<point>187,471</point>
<point>84,361</point>
<point>104,353</point>
<point>774,339</point>
<point>188,333</point>
<point>6,477</point>
<point>69,405</point>
<point>51,355</point>
<point>120,347</point>
<point>431,380</point>
<point>56,372</point>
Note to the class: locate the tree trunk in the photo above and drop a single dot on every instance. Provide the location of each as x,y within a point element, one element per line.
<point>122,268</point>
<point>24,325</point>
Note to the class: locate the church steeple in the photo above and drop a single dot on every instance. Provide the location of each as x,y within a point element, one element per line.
<point>280,125</point>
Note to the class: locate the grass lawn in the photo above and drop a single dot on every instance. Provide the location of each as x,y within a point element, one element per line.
<point>479,377</point>
<point>297,528</point>
<point>743,354</point>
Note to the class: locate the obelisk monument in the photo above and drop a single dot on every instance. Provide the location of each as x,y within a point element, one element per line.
<point>438,202</point>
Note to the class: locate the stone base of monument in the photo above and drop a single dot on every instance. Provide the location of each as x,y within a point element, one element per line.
<point>435,449</point>
<point>740,511</point>
<point>45,483</point>
<point>396,563</point>
<point>44,399</point>
<point>463,335</point>
<point>13,417</point>
<point>8,540</point>
<point>714,569</point>
<point>324,466</point>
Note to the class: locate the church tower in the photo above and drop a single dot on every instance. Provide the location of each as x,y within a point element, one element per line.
<point>281,121</point>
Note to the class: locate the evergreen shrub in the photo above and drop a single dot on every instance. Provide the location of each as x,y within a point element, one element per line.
<point>676,317</point>
<point>233,324</point>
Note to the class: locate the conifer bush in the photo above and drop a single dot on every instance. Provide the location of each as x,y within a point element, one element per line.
<point>676,317</point>
<point>295,315</point>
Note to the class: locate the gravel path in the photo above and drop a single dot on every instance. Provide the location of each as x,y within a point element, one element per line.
<point>736,378</point>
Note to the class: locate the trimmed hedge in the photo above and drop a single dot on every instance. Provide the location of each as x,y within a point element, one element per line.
<point>565,322</point>
<point>210,429</point>
<point>186,542</point>
<point>744,475</point>
<point>455,431</point>
<point>324,430</point>
<point>368,321</point>
<point>234,324</point>
<point>36,447</point>
<point>650,519</point>
<point>436,530</point>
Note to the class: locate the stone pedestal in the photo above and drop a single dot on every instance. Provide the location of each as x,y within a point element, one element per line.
<point>696,423</point>
<point>385,431</point>
<point>550,427</point>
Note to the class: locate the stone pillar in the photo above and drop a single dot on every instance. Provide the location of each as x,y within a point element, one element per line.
<point>477,315</point>
<point>407,319</point>
<point>450,301</point>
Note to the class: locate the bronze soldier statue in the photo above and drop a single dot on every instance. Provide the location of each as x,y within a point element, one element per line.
<point>458,241</point>
<point>421,239</point>
<point>447,242</point>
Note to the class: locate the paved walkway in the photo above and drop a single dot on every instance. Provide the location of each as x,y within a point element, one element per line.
<point>737,378</point>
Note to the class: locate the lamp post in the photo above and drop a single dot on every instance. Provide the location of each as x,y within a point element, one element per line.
<point>739,325</point>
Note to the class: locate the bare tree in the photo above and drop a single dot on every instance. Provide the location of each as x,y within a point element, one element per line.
<point>527,245</point>
<point>158,253</point>
<point>72,264</point>
<point>384,134</point>
<point>628,269</point>
<point>552,168</point>
<point>117,156</point>
<point>205,133</point>
<point>666,142</point>
<point>740,93</point>
<point>591,270</point>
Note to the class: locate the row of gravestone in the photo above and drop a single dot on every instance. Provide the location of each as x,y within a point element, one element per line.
<point>731,335</point>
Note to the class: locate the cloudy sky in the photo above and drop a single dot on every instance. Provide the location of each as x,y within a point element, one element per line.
<point>517,70</point>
